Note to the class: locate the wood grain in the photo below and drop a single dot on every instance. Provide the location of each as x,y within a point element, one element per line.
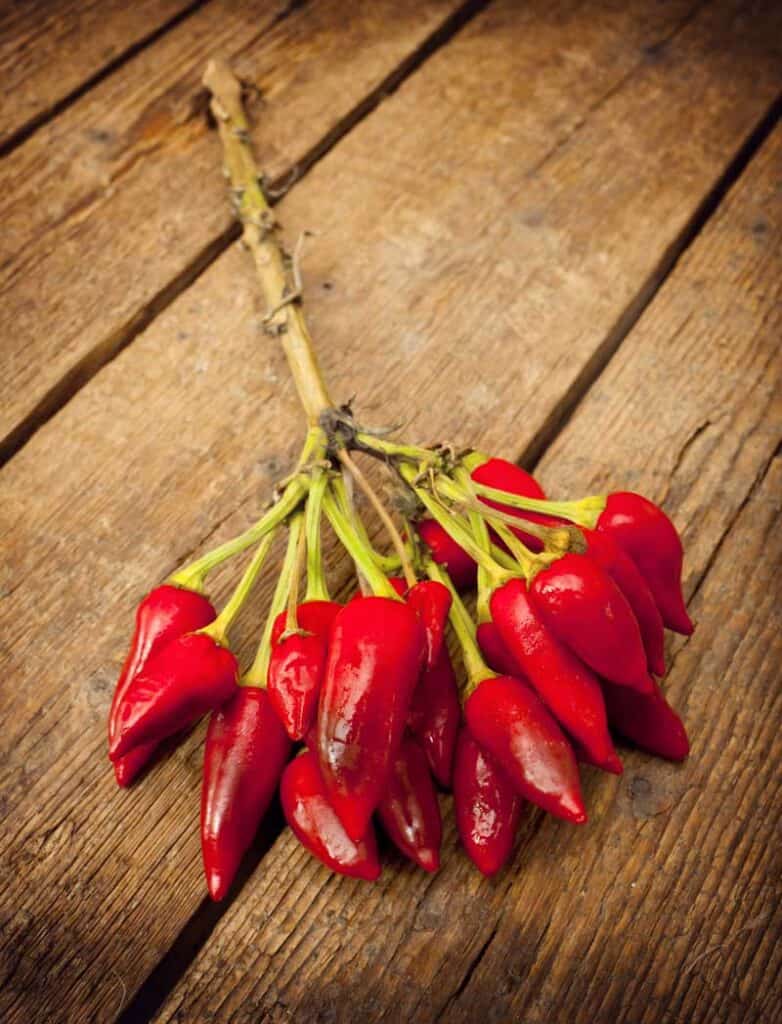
<point>136,151</point>
<point>49,50</point>
<point>129,478</point>
<point>666,907</point>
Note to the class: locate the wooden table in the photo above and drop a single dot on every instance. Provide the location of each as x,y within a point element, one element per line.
<point>549,229</point>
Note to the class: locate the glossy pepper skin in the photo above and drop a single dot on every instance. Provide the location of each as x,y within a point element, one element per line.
<point>317,827</point>
<point>245,753</point>
<point>435,714</point>
<point>649,537</point>
<point>409,811</point>
<point>487,806</point>
<point>507,476</point>
<point>446,552</point>
<point>508,718</point>
<point>603,549</point>
<point>164,614</point>
<point>569,689</point>
<point>376,651</point>
<point>189,677</point>
<point>648,720</point>
<point>585,609</point>
<point>297,664</point>
<point>495,653</point>
<point>431,602</point>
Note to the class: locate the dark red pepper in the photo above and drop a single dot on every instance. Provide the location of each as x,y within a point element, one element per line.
<point>245,753</point>
<point>317,826</point>
<point>495,653</point>
<point>434,716</point>
<point>165,613</point>
<point>487,806</point>
<point>603,549</point>
<point>507,476</point>
<point>649,537</point>
<point>297,664</point>
<point>508,718</point>
<point>375,655</point>
<point>447,553</point>
<point>187,678</point>
<point>570,690</point>
<point>648,720</point>
<point>585,609</point>
<point>431,601</point>
<point>409,811</point>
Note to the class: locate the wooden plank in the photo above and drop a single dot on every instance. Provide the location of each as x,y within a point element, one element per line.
<point>50,50</point>
<point>137,150</point>
<point>162,474</point>
<point>663,909</point>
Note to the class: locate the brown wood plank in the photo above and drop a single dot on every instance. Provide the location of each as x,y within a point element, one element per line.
<point>665,908</point>
<point>75,282</point>
<point>48,50</point>
<point>134,477</point>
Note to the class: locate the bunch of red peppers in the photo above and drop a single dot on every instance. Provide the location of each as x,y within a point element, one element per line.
<point>352,710</point>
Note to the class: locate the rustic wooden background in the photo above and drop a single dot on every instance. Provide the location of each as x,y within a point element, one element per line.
<point>551,229</point>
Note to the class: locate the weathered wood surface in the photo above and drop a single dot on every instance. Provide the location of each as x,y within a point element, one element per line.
<point>51,48</point>
<point>117,201</point>
<point>575,219</point>
<point>666,906</point>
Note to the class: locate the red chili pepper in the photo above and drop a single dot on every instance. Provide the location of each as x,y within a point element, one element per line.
<point>447,553</point>
<point>434,716</point>
<point>649,537</point>
<point>431,601</point>
<point>603,549</point>
<point>648,720</point>
<point>409,811</point>
<point>582,605</point>
<point>165,613</point>
<point>487,806</point>
<point>570,690</point>
<point>297,664</point>
<point>245,753</point>
<point>507,476</point>
<point>188,677</point>
<point>317,827</point>
<point>375,655</point>
<point>508,718</point>
<point>497,655</point>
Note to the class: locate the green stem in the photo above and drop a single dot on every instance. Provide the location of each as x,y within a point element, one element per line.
<point>379,446</point>
<point>464,627</point>
<point>257,672</point>
<point>584,512</point>
<point>481,532</point>
<point>218,629</point>
<point>317,589</point>
<point>359,551</point>
<point>389,564</point>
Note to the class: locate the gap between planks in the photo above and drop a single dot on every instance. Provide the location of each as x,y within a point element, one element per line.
<point>85,369</point>
<point>195,933</point>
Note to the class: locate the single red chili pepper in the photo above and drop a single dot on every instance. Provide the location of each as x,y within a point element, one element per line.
<point>317,826</point>
<point>585,609</point>
<point>603,549</point>
<point>487,806</point>
<point>163,614</point>
<point>409,811</point>
<point>434,716</point>
<point>507,476</point>
<point>447,553</point>
<point>297,663</point>
<point>648,720</point>
<point>497,655</point>
<point>649,537</point>
<point>569,689</point>
<point>431,601</point>
<point>189,677</point>
<point>245,753</point>
<point>375,655</point>
<point>509,719</point>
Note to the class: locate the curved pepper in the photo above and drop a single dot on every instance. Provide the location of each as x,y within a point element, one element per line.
<point>649,537</point>
<point>434,716</point>
<point>648,720</point>
<point>585,609</point>
<point>245,753</point>
<point>570,690</point>
<point>487,806</point>
<point>409,811</point>
<point>165,613</point>
<point>317,827</point>
<point>297,664</point>
<point>447,553</point>
<point>188,677</point>
<point>507,476</point>
<point>509,719</point>
<point>603,549</point>
<point>495,653</point>
<point>375,655</point>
